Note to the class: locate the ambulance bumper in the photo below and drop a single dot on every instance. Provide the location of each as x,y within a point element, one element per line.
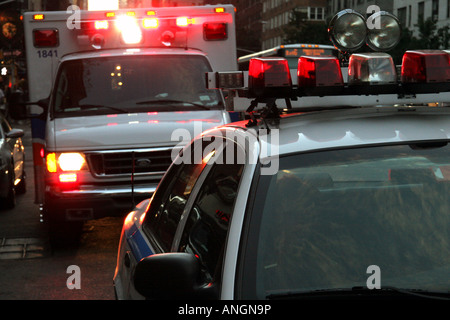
<point>91,202</point>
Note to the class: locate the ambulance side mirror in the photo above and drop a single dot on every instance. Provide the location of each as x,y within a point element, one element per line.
<point>21,111</point>
<point>16,106</point>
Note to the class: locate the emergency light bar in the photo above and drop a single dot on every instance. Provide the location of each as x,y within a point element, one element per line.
<point>372,80</point>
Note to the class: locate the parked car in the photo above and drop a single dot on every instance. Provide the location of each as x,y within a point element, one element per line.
<point>12,164</point>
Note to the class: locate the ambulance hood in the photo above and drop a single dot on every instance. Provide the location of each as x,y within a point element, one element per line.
<point>130,131</point>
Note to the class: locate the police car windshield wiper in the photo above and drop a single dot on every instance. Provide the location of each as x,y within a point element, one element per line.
<point>169,101</point>
<point>358,292</point>
<point>100,106</point>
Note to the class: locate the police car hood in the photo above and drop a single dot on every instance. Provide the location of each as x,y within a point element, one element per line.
<point>134,130</point>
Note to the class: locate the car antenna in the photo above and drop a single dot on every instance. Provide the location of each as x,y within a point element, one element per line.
<point>132,181</point>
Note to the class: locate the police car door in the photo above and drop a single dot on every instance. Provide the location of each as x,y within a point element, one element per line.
<point>208,215</point>
<point>168,205</point>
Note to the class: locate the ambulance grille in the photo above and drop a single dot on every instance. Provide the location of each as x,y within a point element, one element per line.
<point>148,161</point>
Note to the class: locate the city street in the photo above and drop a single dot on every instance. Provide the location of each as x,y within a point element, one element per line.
<point>33,270</point>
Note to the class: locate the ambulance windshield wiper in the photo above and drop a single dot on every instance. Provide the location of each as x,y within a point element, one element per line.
<point>100,106</point>
<point>169,101</point>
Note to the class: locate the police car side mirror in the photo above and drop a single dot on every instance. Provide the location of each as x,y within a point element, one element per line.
<point>171,276</point>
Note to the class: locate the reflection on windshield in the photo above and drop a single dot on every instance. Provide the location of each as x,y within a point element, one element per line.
<point>102,85</point>
<point>328,216</point>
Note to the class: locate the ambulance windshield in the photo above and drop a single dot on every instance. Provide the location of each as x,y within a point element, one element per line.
<point>133,84</point>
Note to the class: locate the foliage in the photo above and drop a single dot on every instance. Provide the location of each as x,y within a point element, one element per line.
<point>299,30</point>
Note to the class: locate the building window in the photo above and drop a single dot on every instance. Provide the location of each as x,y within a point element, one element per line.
<point>401,15</point>
<point>421,13</point>
<point>316,13</point>
<point>435,10</point>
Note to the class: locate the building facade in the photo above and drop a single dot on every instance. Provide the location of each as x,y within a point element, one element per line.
<point>409,12</point>
<point>276,14</point>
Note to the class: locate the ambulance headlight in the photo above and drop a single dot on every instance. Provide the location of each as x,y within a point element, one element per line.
<point>348,30</point>
<point>384,31</point>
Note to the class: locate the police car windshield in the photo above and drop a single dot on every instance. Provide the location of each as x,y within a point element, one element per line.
<point>328,220</point>
<point>127,82</point>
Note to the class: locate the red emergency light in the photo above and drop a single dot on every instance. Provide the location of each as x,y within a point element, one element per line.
<point>215,31</point>
<point>319,74</point>
<point>45,38</point>
<point>426,66</point>
<point>269,76</point>
<point>422,69</point>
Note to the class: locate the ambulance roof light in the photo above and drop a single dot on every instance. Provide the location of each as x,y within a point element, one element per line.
<point>150,23</point>
<point>45,38</point>
<point>215,31</point>
<point>101,25</point>
<point>129,28</point>
<point>38,16</point>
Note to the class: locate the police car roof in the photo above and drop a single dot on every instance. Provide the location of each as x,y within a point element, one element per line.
<point>346,128</point>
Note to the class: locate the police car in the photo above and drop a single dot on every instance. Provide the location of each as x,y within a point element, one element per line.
<point>345,196</point>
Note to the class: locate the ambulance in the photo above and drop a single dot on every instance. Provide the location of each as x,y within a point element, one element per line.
<point>108,90</point>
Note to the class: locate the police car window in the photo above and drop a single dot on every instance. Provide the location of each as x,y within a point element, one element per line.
<point>327,216</point>
<point>170,199</point>
<point>207,225</point>
<point>133,83</point>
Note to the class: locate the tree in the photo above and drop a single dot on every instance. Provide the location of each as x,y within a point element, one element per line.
<point>300,30</point>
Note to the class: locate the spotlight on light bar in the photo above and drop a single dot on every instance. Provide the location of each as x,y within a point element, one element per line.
<point>384,32</point>
<point>348,30</point>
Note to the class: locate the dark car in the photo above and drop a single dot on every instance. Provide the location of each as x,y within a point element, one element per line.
<point>12,164</point>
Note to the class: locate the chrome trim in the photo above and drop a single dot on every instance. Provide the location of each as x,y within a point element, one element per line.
<point>133,150</point>
<point>107,192</point>
<point>128,175</point>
